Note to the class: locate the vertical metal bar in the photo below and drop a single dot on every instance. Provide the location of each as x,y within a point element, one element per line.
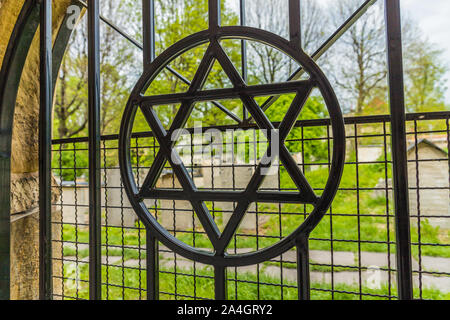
<point>152,247</point>
<point>148,21</point>
<point>5,226</point>
<point>220,283</point>
<point>418,207</point>
<point>95,279</point>
<point>358,209</point>
<point>45,144</point>
<point>214,14</point>
<point>386,193</point>
<point>295,34</point>
<point>243,52</point>
<point>399,155</point>
<point>303,279</point>
<point>152,267</point>
<point>220,273</point>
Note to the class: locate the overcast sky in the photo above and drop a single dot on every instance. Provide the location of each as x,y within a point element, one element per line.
<point>433,17</point>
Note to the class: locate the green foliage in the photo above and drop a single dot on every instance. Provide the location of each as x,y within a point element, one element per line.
<point>425,74</point>
<point>181,22</point>
<point>70,165</point>
<point>313,150</point>
<point>125,284</point>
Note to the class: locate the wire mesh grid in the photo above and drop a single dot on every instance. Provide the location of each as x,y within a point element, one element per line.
<point>352,250</point>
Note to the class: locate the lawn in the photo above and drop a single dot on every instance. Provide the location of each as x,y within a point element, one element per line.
<point>359,220</point>
<point>130,284</point>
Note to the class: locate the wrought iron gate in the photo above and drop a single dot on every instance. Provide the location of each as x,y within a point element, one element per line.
<point>164,149</point>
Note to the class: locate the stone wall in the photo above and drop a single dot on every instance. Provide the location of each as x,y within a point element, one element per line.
<point>24,164</point>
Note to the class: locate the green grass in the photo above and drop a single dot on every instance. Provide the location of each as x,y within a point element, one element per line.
<point>247,288</point>
<point>348,229</point>
<point>354,216</point>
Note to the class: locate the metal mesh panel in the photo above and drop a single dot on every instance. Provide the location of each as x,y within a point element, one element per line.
<point>352,250</point>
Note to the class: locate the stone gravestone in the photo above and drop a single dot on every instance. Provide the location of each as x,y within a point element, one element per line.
<point>217,175</point>
<point>75,202</point>
<point>117,210</point>
<point>175,214</point>
<point>226,175</point>
<point>433,178</point>
<point>432,197</point>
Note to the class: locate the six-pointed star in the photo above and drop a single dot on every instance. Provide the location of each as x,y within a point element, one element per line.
<point>196,197</point>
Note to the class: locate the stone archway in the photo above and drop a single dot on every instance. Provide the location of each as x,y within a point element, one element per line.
<point>24,158</point>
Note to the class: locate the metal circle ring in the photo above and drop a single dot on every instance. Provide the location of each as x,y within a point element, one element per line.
<point>338,154</point>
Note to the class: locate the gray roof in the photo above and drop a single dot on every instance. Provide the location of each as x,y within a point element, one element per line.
<point>428,142</point>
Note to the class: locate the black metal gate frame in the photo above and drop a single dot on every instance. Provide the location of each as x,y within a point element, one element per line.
<point>39,11</point>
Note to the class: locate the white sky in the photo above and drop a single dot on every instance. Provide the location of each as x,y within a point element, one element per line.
<point>433,17</point>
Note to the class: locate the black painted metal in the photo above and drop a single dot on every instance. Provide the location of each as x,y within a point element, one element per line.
<point>11,71</point>
<point>148,20</point>
<point>242,17</point>
<point>220,272</point>
<point>220,259</point>
<point>95,210</point>
<point>45,139</point>
<point>295,33</point>
<point>220,283</point>
<point>303,278</point>
<point>298,124</point>
<point>214,14</point>
<point>152,249</point>
<point>399,154</point>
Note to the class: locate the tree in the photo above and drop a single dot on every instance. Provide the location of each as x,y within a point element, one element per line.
<point>425,71</point>
<point>71,90</point>
<point>361,71</point>
<point>118,72</point>
<point>118,69</point>
<point>360,75</point>
<point>178,19</point>
<point>267,64</point>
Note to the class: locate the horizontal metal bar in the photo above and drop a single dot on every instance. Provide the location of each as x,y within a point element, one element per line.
<point>441,115</point>
<point>224,94</point>
<point>224,196</point>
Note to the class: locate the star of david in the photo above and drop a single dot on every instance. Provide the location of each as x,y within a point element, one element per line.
<point>197,198</point>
